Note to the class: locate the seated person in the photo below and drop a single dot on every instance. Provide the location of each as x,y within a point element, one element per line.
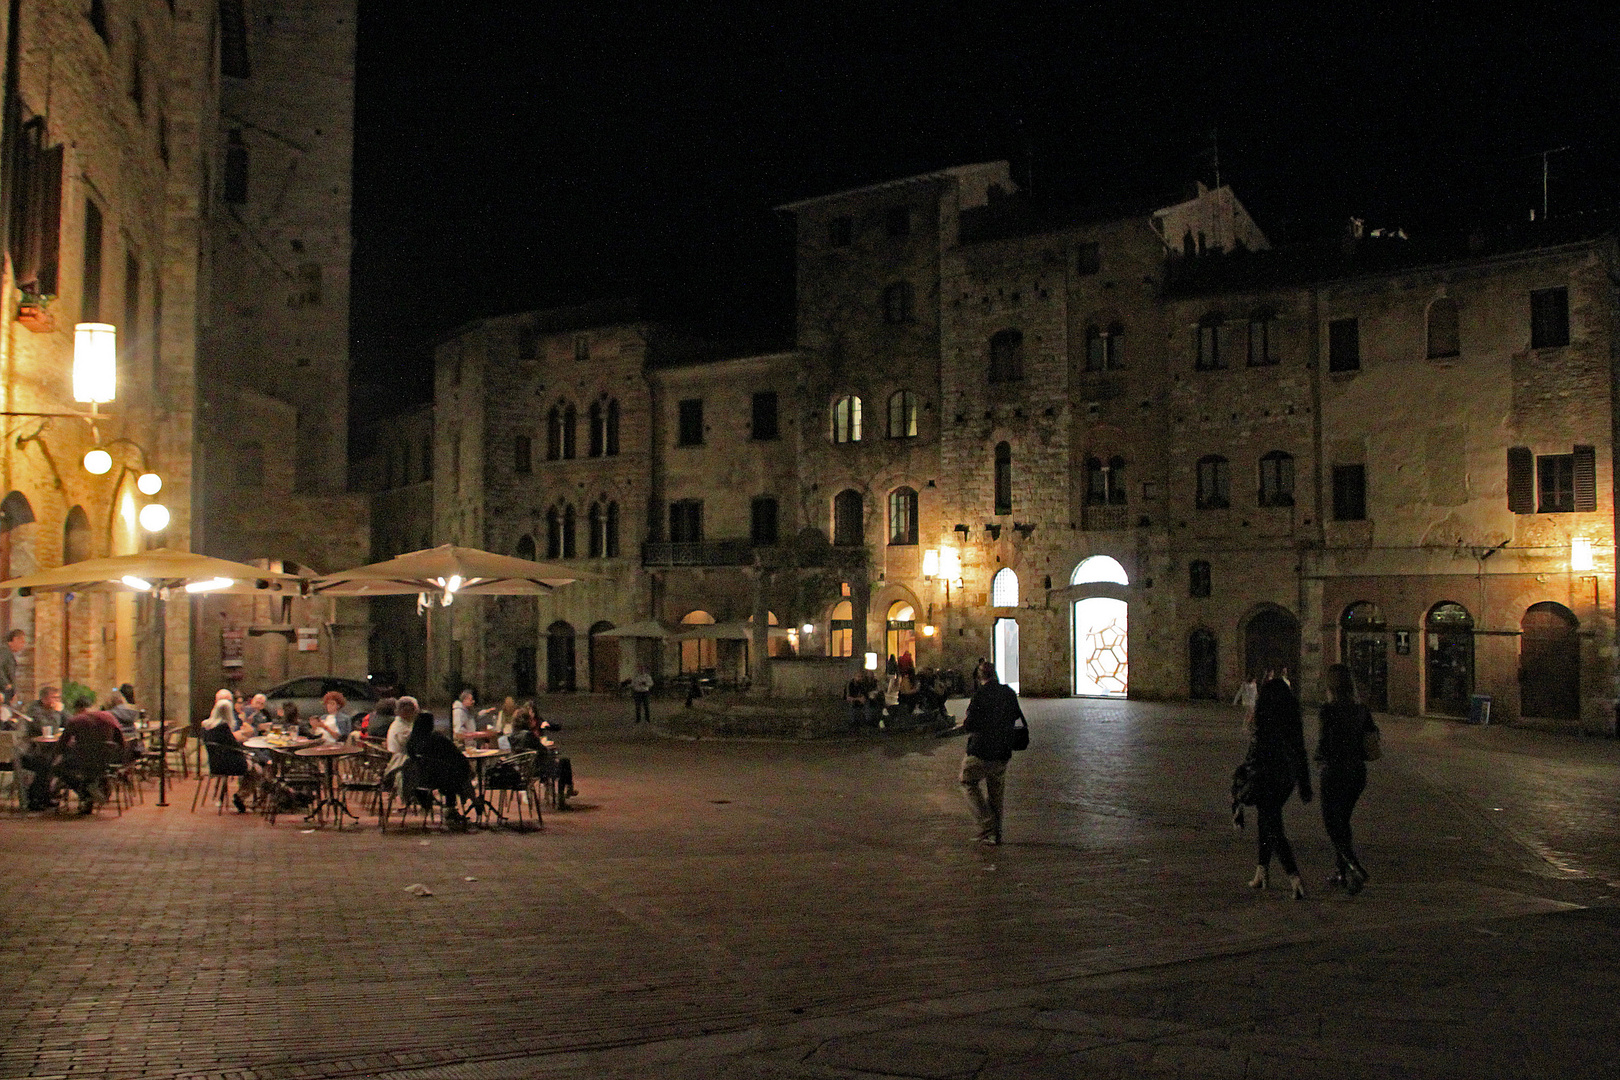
<point>294,724</point>
<point>38,758</point>
<point>225,756</point>
<point>91,743</point>
<point>907,693</point>
<point>525,737</point>
<point>379,720</point>
<point>255,714</point>
<point>332,726</point>
<point>865,699</point>
<point>123,712</point>
<point>439,765</point>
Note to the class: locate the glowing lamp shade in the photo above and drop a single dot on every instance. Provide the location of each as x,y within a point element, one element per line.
<point>155,518</point>
<point>98,462</point>
<point>95,362</point>
<point>149,483</point>
<point>930,563</point>
<point>928,631</point>
<point>1580,555</point>
<point>950,564</point>
<point>871,661</point>
<point>808,628</point>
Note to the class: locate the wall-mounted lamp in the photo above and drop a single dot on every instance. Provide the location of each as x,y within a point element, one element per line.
<point>871,661</point>
<point>148,483</point>
<point>154,517</point>
<point>95,363</point>
<point>930,566</point>
<point>807,628</point>
<point>1580,555</point>
<point>98,462</point>
<point>928,630</point>
<point>950,564</point>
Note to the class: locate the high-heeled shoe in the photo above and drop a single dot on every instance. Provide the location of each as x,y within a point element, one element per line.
<point>1355,879</point>
<point>1262,877</point>
<point>1298,885</point>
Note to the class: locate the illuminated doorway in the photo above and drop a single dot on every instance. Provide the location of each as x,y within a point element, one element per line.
<point>698,654</point>
<point>1449,639</point>
<point>841,630</point>
<point>902,631</point>
<point>1101,663</point>
<point>1004,651</point>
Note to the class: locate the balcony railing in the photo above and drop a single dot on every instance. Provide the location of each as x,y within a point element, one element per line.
<point>1097,518</point>
<point>698,553</point>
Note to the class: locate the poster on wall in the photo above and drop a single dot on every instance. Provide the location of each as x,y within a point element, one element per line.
<point>309,639</point>
<point>231,645</point>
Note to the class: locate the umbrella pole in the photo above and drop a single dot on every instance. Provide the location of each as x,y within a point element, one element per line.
<point>163,711</point>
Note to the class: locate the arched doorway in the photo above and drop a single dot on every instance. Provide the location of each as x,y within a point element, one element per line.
<point>698,655</point>
<point>1203,668</point>
<point>1004,651</point>
<point>1098,631</point>
<point>1271,643</point>
<point>1449,648</point>
<point>604,659</point>
<point>1550,663</point>
<point>901,625</point>
<point>560,657</point>
<point>1364,648</point>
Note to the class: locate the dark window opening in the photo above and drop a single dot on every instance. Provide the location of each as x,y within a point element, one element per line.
<point>849,519</point>
<point>521,454</point>
<point>1198,578</point>
<point>1003,478</point>
<point>1349,493</point>
<point>763,423</point>
<point>553,534</point>
<point>233,49</point>
<point>554,433</point>
<point>690,425</point>
<point>596,542</point>
<point>1277,479</point>
<point>1214,483</point>
<point>98,21</point>
<point>762,521</point>
<point>611,546</point>
<point>611,442</point>
<point>1006,356</point>
<point>686,521</point>
<point>36,211</point>
<point>903,516</point>
<point>1209,344</point>
<point>570,431</point>
<point>1555,484</point>
<point>597,423</point>
<point>1549,318</point>
<point>1104,347</point>
<point>1262,352</point>
<point>91,308</point>
<point>1344,345</point>
<point>897,301</point>
<point>568,529</point>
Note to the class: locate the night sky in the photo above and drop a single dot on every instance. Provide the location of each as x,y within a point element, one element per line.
<point>520,155</point>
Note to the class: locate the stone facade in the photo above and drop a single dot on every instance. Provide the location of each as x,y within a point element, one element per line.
<point>1378,451</point>
<point>147,118</point>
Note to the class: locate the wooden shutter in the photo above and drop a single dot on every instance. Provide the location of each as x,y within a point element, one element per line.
<point>1585,479</point>
<point>1521,480</point>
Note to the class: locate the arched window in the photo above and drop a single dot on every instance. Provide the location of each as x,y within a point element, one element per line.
<point>849,525</point>
<point>525,547</point>
<point>1003,478</point>
<point>902,415</point>
<point>1104,347</point>
<point>1262,350</point>
<point>1449,667</point>
<point>554,433</point>
<point>841,630</point>
<point>598,426</point>
<point>568,530</point>
<point>250,464</point>
<point>521,454</point>
<point>1004,588</point>
<point>1443,337</point>
<point>553,534</point>
<point>846,420</point>
<point>1006,356</point>
<point>1104,568</point>
<point>1198,578</point>
<point>1209,356</point>
<point>570,428</point>
<point>1214,483</point>
<point>76,536</point>
<point>897,303</point>
<point>611,441</point>
<point>902,516</point>
<point>610,546</point>
<point>1105,481</point>
<point>594,543</point>
<point>1277,479</point>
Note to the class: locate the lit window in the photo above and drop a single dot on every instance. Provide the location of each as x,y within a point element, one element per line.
<point>846,420</point>
<point>1004,588</point>
<point>902,415</point>
<point>903,516</point>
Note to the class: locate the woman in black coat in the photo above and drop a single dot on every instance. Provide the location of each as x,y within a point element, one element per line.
<point>1341,749</point>
<point>440,764</point>
<point>1277,762</point>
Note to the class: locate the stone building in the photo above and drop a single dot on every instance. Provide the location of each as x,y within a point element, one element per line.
<point>129,202</point>
<point>1120,451</point>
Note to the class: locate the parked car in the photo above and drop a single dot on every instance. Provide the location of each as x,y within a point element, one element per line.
<point>309,692</point>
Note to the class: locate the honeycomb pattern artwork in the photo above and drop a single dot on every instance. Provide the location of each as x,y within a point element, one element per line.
<point>1106,665</point>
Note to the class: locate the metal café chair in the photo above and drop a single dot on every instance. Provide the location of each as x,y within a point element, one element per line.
<point>516,777</point>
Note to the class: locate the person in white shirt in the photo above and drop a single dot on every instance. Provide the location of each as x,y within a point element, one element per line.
<point>463,721</point>
<point>641,685</point>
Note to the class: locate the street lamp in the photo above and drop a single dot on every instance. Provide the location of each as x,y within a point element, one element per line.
<point>154,517</point>
<point>98,462</point>
<point>95,363</point>
<point>1580,555</point>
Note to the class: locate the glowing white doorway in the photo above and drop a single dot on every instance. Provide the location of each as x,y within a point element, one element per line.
<point>1004,654</point>
<point>1101,667</point>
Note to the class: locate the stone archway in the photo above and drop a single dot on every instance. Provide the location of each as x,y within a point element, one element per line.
<point>1271,642</point>
<point>1550,663</point>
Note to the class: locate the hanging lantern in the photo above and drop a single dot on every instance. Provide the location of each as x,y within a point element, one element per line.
<point>95,363</point>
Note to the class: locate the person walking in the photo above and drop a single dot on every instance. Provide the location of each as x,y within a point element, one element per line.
<point>992,714</point>
<point>641,684</point>
<point>1247,695</point>
<point>1277,762</point>
<point>1341,750</point>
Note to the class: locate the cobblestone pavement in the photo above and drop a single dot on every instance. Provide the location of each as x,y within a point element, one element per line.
<point>753,909</point>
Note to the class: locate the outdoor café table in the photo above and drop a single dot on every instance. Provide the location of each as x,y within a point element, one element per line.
<point>481,805</point>
<point>330,754</point>
<point>478,736</point>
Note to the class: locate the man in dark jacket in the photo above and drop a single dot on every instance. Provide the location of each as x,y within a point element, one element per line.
<point>992,714</point>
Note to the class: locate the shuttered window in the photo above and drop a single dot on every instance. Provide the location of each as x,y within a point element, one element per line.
<point>1585,479</point>
<point>36,212</point>
<point>1521,480</point>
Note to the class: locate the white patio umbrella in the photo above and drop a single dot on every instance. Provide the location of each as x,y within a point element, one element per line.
<point>160,572</point>
<point>646,628</point>
<point>446,572</point>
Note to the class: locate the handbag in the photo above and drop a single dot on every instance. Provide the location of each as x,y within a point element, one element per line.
<point>1020,734</point>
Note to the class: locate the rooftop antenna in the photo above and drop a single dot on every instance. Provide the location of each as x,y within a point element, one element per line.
<point>1545,154</point>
